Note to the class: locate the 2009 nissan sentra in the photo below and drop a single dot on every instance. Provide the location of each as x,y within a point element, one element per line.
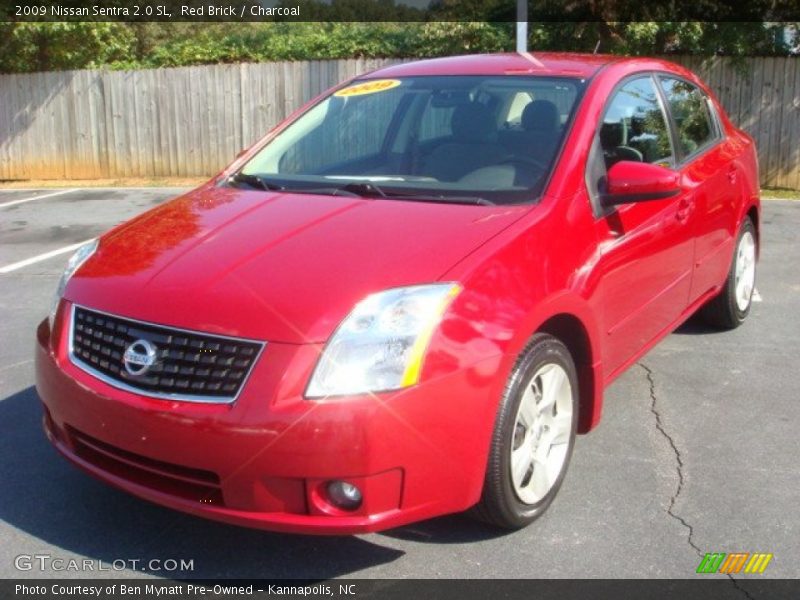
<point>408,298</point>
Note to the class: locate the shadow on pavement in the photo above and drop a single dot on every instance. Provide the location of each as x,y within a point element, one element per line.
<point>696,325</point>
<point>45,497</point>
<point>452,529</point>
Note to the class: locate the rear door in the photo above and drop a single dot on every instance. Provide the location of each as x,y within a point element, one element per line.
<point>709,175</point>
<point>645,249</point>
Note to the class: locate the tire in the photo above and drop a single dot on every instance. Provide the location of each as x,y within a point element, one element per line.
<point>731,306</point>
<point>536,421</point>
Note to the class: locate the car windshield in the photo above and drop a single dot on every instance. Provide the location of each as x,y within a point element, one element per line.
<point>462,139</point>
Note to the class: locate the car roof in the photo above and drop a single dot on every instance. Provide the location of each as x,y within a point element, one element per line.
<point>538,63</point>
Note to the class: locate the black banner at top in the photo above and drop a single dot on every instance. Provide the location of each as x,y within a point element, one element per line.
<point>499,11</point>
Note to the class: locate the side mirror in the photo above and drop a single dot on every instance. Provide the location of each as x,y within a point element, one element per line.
<point>630,181</point>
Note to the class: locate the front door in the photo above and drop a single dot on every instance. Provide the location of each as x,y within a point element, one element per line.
<point>645,249</point>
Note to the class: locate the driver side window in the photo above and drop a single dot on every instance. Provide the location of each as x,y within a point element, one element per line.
<point>634,126</point>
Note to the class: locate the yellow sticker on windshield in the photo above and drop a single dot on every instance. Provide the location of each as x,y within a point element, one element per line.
<point>369,87</point>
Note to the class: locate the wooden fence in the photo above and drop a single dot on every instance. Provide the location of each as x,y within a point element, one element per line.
<point>191,121</point>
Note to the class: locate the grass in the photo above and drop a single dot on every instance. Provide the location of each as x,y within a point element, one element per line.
<point>117,182</point>
<point>780,194</point>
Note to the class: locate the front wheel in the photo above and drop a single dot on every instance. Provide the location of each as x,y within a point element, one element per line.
<point>731,306</point>
<point>533,437</point>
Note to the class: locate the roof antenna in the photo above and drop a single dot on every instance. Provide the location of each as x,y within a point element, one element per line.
<point>597,46</point>
<point>522,26</point>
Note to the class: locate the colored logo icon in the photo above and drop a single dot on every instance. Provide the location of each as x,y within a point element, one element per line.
<point>737,562</point>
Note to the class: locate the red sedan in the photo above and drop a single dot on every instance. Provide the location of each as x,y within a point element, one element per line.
<point>408,298</point>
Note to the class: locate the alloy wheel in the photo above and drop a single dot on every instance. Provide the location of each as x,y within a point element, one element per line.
<point>745,270</point>
<point>542,430</point>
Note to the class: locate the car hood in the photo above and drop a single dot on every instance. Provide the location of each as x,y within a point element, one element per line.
<point>274,266</point>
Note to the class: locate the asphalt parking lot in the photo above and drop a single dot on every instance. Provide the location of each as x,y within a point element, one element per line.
<point>697,450</point>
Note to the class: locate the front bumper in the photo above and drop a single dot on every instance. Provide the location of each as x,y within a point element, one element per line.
<point>264,460</point>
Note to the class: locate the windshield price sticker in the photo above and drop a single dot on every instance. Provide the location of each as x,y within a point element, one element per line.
<point>370,87</point>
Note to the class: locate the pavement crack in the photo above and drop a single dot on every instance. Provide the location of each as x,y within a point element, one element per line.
<point>679,466</point>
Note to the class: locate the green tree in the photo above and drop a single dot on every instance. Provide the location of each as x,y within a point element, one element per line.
<point>40,46</point>
<point>26,47</point>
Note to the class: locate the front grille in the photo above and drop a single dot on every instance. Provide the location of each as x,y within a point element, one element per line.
<point>187,365</point>
<point>176,480</point>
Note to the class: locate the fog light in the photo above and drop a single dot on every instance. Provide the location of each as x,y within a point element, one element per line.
<point>344,495</point>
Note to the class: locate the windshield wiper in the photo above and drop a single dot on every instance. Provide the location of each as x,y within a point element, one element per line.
<point>354,189</point>
<point>441,198</point>
<point>357,189</point>
<point>370,190</point>
<point>255,181</point>
<point>365,189</point>
<point>360,189</point>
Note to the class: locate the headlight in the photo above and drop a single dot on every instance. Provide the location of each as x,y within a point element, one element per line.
<point>381,344</point>
<point>81,255</point>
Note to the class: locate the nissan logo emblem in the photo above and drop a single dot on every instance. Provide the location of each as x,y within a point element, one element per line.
<point>139,357</point>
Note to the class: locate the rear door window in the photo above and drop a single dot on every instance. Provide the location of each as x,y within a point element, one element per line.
<point>690,112</point>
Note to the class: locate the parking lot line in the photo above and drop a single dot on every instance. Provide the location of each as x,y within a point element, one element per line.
<point>20,201</point>
<point>41,257</point>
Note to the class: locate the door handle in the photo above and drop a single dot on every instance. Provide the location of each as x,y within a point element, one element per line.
<point>732,174</point>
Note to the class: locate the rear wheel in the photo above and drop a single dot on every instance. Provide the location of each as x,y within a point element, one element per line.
<point>533,437</point>
<point>730,308</point>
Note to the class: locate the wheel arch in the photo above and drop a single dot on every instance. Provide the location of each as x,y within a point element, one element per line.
<point>568,317</point>
<point>573,333</point>
<point>754,214</point>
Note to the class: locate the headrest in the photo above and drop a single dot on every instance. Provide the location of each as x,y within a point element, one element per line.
<point>540,115</point>
<point>611,135</point>
<point>472,122</point>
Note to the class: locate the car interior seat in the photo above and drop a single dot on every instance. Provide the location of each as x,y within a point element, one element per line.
<point>612,137</point>
<point>473,145</point>
<point>542,125</point>
<point>540,128</point>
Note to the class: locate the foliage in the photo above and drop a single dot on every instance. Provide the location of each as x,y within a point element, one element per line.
<point>446,38</point>
<point>28,47</point>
